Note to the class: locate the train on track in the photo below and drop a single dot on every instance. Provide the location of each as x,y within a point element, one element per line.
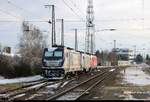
<point>60,61</point>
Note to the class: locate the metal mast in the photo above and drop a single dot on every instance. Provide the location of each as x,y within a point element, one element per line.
<point>62,31</point>
<point>114,44</point>
<point>76,40</point>
<point>90,29</point>
<point>53,24</point>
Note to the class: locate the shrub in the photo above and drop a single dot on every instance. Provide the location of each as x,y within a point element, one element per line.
<point>11,67</point>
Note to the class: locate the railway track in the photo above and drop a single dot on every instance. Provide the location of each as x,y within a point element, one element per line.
<point>77,91</point>
<point>61,86</point>
<point>24,85</point>
<point>25,91</point>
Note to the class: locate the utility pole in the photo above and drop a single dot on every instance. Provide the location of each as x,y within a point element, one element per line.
<point>90,29</point>
<point>114,44</point>
<point>53,24</point>
<point>76,40</point>
<point>62,31</point>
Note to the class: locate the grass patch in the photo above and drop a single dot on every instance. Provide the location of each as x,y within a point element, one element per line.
<point>9,86</point>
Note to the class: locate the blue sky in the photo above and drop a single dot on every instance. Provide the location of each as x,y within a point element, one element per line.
<point>124,15</point>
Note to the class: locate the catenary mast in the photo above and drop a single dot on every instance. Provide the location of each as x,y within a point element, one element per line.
<point>90,29</point>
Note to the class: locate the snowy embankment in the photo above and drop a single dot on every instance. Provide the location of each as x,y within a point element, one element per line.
<point>20,80</point>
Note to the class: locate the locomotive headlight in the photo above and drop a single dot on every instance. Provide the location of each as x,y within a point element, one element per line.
<point>44,60</point>
<point>60,61</point>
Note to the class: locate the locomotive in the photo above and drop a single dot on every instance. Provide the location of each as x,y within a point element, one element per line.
<point>60,61</point>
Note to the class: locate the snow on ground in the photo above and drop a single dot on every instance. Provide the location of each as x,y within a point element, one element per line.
<point>144,65</point>
<point>111,70</point>
<point>20,80</point>
<point>55,86</point>
<point>135,75</point>
<point>1,77</point>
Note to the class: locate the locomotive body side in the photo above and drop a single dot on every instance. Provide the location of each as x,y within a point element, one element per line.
<point>85,61</point>
<point>93,61</point>
<point>72,61</point>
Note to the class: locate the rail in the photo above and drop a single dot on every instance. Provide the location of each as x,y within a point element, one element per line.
<point>100,76</point>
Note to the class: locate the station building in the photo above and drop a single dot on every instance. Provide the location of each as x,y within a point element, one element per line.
<point>125,56</point>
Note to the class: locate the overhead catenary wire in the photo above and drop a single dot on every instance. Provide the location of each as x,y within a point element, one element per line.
<point>10,14</point>
<point>143,13</point>
<point>75,5</point>
<point>24,20</point>
<point>75,20</point>
<point>99,38</point>
<point>72,10</point>
<point>18,7</point>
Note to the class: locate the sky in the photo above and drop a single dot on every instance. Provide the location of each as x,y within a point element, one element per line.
<point>130,18</point>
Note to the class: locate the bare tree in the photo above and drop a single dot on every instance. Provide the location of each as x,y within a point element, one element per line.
<point>113,58</point>
<point>99,58</point>
<point>31,45</point>
<point>105,56</point>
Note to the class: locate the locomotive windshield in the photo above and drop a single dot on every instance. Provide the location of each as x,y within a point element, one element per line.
<point>53,57</point>
<point>53,54</point>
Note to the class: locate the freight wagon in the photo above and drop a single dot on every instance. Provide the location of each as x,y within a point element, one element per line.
<point>61,61</point>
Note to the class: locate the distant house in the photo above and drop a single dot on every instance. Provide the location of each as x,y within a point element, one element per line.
<point>6,51</point>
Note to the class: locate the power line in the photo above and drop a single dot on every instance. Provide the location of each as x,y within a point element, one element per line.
<point>143,13</point>
<point>109,20</point>
<point>76,6</point>
<point>72,10</point>
<point>73,20</point>
<point>24,20</point>
<point>8,21</point>
<point>8,13</point>
<point>16,6</point>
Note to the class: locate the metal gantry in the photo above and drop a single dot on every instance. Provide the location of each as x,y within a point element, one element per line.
<point>90,29</point>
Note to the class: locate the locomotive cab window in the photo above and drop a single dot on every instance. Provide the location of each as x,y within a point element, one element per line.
<point>58,54</point>
<point>48,54</point>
